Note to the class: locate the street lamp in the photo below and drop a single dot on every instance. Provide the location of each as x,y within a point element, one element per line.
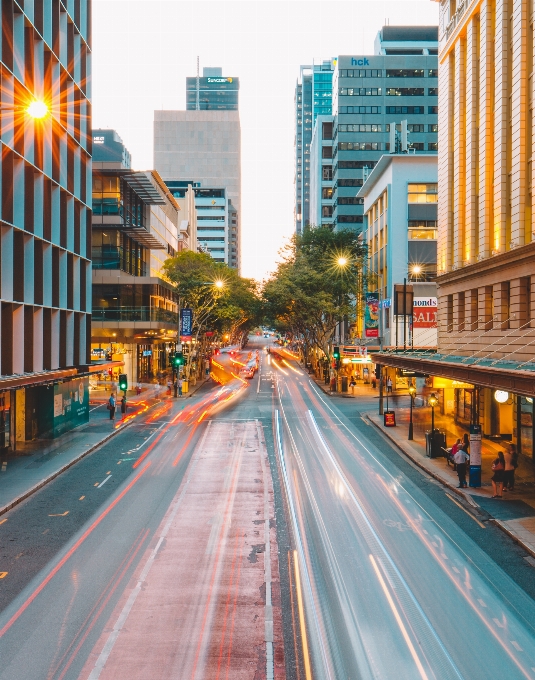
<point>432,401</point>
<point>412,392</point>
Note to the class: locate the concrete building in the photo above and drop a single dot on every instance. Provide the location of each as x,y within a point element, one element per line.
<point>212,92</point>
<point>135,228</point>
<point>45,216</point>
<point>321,179</point>
<point>400,229</point>
<point>313,98</point>
<point>217,225</point>
<point>370,93</point>
<point>486,247</point>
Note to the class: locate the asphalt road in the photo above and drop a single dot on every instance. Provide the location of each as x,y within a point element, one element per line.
<point>394,586</point>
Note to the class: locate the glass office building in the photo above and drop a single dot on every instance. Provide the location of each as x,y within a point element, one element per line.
<point>313,98</point>
<point>214,92</point>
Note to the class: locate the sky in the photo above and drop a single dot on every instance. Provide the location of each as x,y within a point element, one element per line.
<point>143,50</point>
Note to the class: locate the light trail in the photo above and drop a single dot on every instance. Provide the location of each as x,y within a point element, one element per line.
<point>302,623</point>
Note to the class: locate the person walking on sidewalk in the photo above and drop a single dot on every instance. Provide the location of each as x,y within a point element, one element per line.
<point>123,406</point>
<point>511,461</point>
<point>498,467</point>
<point>352,384</point>
<point>111,406</point>
<point>389,385</point>
<point>180,382</point>
<point>460,457</point>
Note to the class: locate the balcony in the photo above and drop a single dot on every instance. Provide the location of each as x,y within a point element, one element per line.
<point>134,314</point>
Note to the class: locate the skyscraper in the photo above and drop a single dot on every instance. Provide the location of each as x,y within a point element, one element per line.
<point>313,95</point>
<point>212,92</point>
<point>204,146</point>
<point>45,318</point>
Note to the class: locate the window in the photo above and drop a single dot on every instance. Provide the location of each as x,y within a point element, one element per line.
<point>432,109</point>
<point>327,211</point>
<point>432,91</point>
<point>350,182</point>
<point>417,146</point>
<point>327,131</point>
<point>359,146</point>
<point>423,193</point>
<point>327,173</point>
<point>350,200</point>
<point>405,109</point>
<point>349,219</point>
<point>367,127</point>
<point>326,152</point>
<point>355,165</point>
<point>361,91</point>
<point>433,127</point>
<point>422,234</point>
<point>361,73</point>
<point>360,109</point>
<point>405,73</point>
<point>433,73</point>
<point>404,92</point>
<point>415,128</point>
<point>432,146</point>
<point>326,193</point>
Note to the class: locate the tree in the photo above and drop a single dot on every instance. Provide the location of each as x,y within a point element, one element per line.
<point>316,285</point>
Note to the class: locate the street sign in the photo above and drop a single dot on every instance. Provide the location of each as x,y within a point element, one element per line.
<point>389,418</point>
<point>186,323</point>
<point>475,445</point>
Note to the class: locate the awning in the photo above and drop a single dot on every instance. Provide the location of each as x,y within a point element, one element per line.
<point>144,188</point>
<point>144,237</point>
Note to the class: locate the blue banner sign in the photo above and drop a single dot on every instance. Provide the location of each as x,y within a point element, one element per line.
<point>186,322</point>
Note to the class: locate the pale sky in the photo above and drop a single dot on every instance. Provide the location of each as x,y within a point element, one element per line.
<point>143,50</point>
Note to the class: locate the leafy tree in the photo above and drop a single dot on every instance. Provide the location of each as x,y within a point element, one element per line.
<point>316,285</point>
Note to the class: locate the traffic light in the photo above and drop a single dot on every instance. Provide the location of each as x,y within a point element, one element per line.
<point>178,359</point>
<point>336,356</point>
<point>123,382</point>
<point>378,371</point>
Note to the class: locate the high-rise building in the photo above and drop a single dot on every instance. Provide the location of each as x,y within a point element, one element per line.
<point>204,146</point>
<point>313,94</point>
<point>45,318</point>
<point>216,220</point>
<point>212,92</point>
<point>321,175</point>
<point>370,93</point>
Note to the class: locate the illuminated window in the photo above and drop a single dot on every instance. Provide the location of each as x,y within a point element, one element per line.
<point>423,193</point>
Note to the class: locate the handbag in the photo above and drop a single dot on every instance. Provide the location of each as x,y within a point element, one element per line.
<point>108,406</point>
<point>497,465</point>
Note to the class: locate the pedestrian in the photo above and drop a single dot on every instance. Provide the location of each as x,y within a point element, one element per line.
<point>169,387</point>
<point>460,459</point>
<point>138,388</point>
<point>498,467</point>
<point>466,443</point>
<point>389,384</point>
<point>352,384</point>
<point>180,382</point>
<point>111,406</point>
<point>511,462</point>
<point>123,406</point>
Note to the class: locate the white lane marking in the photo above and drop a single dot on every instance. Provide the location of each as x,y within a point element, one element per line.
<point>112,638</point>
<point>259,374</point>
<point>516,646</point>
<point>104,482</point>
<point>268,615</point>
<point>481,602</point>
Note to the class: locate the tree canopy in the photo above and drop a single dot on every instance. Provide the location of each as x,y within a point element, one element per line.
<point>315,286</point>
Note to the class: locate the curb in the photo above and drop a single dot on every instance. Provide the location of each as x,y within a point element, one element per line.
<point>46,480</point>
<point>497,522</point>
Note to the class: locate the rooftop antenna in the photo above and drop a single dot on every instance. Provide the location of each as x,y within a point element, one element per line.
<point>197,105</point>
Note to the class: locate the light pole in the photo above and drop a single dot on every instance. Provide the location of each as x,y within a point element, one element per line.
<point>433,401</point>
<point>412,392</point>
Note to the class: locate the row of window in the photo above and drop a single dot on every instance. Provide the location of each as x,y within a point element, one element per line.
<point>359,109</point>
<point>418,110</point>
<point>379,146</point>
<point>389,92</point>
<point>390,73</point>
<point>349,200</point>
<point>378,127</point>
<point>349,219</point>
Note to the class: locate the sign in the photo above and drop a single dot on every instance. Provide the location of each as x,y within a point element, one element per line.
<point>424,312</point>
<point>354,350</point>
<point>186,323</point>
<point>371,315</point>
<point>359,61</point>
<point>219,80</point>
<point>147,352</point>
<point>475,445</point>
<point>389,418</point>
<point>98,140</point>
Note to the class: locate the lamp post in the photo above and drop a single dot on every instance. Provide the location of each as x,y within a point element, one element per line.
<point>412,392</point>
<point>433,401</point>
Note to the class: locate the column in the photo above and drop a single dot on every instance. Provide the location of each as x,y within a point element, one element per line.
<point>486,136</point>
<point>471,142</point>
<point>501,228</point>
<point>459,153</point>
<point>445,166</point>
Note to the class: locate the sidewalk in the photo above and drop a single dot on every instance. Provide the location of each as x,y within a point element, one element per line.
<point>514,514</point>
<point>36,463</point>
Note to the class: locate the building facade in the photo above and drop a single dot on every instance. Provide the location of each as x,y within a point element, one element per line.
<point>486,248</point>
<point>45,218</point>
<point>321,177</point>
<point>212,92</point>
<point>201,147</point>
<point>400,229</point>
<point>371,93</point>
<point>313,98</point>
<point>135,228</point>
<point>217,227</point>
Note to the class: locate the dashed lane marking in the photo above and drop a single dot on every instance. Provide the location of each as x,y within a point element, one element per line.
<point>2,521</point>
<point>81,498</point>
<point>3,574</point>
<point>104,482</point>
<point>61,514</point>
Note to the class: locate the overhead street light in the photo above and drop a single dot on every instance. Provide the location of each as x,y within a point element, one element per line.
<point>412,393</point>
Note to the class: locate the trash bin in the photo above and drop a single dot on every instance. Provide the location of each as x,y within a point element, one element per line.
<point>344,383</point>
<point>185,387</point>
<point>435,443</point>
